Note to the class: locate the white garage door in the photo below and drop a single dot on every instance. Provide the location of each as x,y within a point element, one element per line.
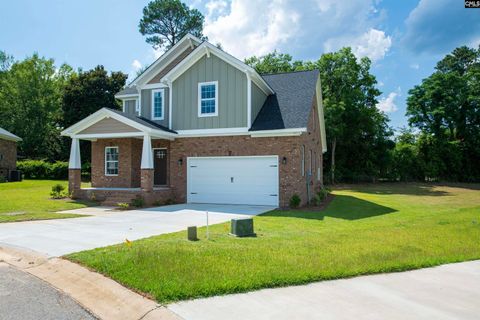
<point>233,180</point>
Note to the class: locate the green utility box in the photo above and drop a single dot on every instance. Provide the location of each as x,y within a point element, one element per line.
<point>242,228</point>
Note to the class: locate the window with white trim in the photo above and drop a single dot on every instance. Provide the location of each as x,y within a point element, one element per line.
<point>158,104</point>
<point>137,107</point>
<point>208,99</point>
<point>111,161</point>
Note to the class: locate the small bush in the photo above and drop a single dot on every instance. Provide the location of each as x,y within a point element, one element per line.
<point>138,202</point>
<point>169,201</point>
<point>58,192</point>
<point>123,206</point>
<point>295,201</point>
<point>3,179</point>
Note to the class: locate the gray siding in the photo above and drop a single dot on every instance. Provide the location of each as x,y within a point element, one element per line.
<point>232,96</point>
<point>146,107</point>
<point>130,107</point>
<point>258,98</point>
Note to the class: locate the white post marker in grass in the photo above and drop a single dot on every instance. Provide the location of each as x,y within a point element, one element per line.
<point>208,233</point>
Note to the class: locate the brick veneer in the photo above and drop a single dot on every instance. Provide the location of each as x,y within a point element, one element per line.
<point>74,182</point>
<point>291,179</point>
<point>8,156</point>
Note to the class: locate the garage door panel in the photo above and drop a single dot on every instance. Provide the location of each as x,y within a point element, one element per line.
<point>236,180</point>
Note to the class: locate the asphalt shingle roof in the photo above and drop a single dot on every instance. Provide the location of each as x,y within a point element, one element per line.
<point>127,90</point>
<point>143,121</point>
<point>291,104</point>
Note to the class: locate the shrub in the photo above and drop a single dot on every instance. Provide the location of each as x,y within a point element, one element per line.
<point>123,206</point>
<point>3,179</point>
<point>321,195</point>
<point>138,202</point>
<point>40,169</point>
<point>169,201</point>
<point>58,192</point>
<point>295,201</point>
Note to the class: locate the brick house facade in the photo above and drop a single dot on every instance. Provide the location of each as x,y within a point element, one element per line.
<point>8,153</point>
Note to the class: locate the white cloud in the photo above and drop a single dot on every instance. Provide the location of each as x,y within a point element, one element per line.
<point>301,28</point>
<point>387,104</point>
<point>136,65</point>
<point>415,66</point>
<point>373,44</point>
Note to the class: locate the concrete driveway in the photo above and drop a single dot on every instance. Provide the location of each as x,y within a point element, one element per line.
<point>446,292</point>
<point>63,236</point>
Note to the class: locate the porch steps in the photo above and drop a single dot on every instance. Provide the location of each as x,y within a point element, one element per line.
<point>115,199</point>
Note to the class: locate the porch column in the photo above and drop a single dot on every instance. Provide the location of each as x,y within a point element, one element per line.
<point>74,168</point>
<point>146,168</point>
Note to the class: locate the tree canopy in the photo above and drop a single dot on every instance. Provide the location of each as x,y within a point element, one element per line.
<point>165,22</point>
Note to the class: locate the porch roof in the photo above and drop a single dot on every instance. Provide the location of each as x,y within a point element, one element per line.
<point>133,126</point>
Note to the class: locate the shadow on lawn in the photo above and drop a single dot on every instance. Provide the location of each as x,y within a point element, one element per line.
<point>414,189</point>
<point>342,207</point>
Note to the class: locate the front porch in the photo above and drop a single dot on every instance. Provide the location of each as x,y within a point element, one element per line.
<point>128,160</point>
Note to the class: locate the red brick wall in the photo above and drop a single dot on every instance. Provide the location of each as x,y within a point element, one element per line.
<point>8,156</point>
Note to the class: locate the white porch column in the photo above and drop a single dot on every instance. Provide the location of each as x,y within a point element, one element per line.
<point>147,155</point>
<point>74,162</point>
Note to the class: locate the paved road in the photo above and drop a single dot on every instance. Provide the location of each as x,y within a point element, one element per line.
<point>23,296</point>
<point>445,292</point>
<point>63,236</point>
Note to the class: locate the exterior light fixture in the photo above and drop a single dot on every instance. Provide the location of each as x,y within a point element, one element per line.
<point>180,161</point>
<point>284,160</point>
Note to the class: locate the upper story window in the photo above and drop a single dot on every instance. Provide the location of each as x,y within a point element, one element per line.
<point>158,103</point>
<point>208,99</point>
<point>111,161</point>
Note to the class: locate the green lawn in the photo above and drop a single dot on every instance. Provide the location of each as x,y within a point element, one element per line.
<point>366,229</point>
<point>30,200</point>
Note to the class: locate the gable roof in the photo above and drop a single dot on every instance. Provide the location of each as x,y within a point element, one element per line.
<point>5,135</point>
<point>291,104</point>
<point>139,123</point>
<point>187,40</point>
<point>206,48</point>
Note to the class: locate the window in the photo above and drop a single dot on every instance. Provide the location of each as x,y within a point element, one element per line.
<point>208,99</point>
<point>310,171</point>
<point>303,161</point>
<point>111,161</point>
<point>157,104</point>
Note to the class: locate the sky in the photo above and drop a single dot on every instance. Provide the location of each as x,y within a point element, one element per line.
<point>403,38</point>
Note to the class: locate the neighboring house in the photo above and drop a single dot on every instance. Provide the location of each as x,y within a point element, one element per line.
<point>8,153</point>
<point>199,125</point>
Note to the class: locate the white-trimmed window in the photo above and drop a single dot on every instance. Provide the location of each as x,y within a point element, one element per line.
<point>137,107</point>
<point>158,103</point>
<point>208,99</point>
<point>111,161</point>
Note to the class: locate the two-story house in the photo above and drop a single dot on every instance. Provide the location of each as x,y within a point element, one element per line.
<point>200,126</point>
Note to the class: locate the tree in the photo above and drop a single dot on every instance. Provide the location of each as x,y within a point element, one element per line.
<point>87,92</point>
<point>167,21</point>
<point>445,107</point>
<point>30,95</point>
<point>6,61</point>
<point>356,130</point>
<point>273,63</point>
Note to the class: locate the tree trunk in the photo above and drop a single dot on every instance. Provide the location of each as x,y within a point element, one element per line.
<point>334,145</point>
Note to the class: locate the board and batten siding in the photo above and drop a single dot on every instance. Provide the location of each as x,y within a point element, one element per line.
<point>232,96</point>
<point>146,108</point>
<point>108,125</point>
<point>130,107</point>
<point>258,99</point>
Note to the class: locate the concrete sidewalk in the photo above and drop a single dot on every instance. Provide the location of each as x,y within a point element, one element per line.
<point>446,292</point>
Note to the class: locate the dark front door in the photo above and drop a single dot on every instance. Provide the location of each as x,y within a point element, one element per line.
<point>160,167</point>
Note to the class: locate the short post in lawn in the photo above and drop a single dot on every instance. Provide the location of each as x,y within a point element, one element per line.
<point>208,233</point>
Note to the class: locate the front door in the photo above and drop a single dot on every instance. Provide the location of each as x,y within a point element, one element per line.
<point>160,167</point>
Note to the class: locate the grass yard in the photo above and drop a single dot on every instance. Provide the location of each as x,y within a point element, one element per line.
<point>30,200</point>
<point>366,229</point>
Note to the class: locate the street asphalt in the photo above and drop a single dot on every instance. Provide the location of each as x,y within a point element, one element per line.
<point>23,296</point>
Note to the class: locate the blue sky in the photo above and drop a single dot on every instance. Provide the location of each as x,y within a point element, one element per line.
<point>403,38</point>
